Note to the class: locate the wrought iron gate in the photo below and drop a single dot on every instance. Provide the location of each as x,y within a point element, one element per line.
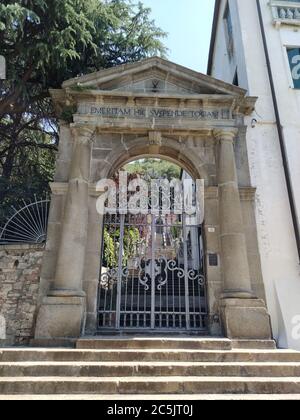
<point>153,274</point>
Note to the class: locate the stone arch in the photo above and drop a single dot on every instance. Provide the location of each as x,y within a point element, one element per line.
<point>169,150</point>
<point>175,152</point>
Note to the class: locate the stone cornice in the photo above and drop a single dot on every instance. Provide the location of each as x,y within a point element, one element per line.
<point>70,98</point>
<point>246,193</point>
<point>203,129</point>
<point>242,105</point>
<point>204,132</point>
<point>95,93</point>
<point>155,63</point>
<point>61,188</point>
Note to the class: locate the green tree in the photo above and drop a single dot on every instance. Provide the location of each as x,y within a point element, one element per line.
<point>46,42</point>
<point>154,169</point>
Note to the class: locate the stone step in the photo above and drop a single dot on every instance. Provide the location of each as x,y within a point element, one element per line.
<point>182,343</point>
<point>150,369</point>
<point>148,385</point>
<point>167,355</point>
<point>253,344</point>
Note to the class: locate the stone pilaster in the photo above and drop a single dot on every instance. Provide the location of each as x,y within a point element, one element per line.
<point>243,315</point>
<point>70,265</point>
<point>62,312</point>
<point>237,282</point>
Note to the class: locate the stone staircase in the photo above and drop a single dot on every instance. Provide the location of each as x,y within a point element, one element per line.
<point>151,368</point>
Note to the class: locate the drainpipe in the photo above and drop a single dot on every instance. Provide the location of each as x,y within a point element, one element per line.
<point>282,142</point>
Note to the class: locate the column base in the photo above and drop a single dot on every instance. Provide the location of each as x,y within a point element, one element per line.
<point>238,294</point>
<point>245,319</point>
<point>66,293</point>
<point>60,318</point>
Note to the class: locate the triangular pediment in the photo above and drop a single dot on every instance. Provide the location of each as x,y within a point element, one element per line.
<point>154,76</point>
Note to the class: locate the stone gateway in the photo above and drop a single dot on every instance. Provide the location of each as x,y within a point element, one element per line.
<point>114,117</point>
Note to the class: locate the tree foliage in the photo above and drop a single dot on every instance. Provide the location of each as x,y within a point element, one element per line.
<point>154,169</point>
<point>46,42</point>
<point>131,239</point>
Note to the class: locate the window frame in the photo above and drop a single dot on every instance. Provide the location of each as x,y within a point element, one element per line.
<point>229,32</point>
<point>286,50</point>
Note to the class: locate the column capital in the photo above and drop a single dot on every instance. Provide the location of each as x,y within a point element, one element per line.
<point>83,134</point>
<point>225,134</point>
<point>63,123</point>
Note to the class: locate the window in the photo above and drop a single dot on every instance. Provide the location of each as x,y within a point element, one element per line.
<point>228,21</point>
<point>294,60</point>
<point>229,30</point>
<point>236,79</point>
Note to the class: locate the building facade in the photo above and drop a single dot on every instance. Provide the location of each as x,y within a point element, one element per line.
<point>256,45</point>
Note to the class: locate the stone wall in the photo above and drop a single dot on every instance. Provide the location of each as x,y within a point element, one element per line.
<point>19,286</point>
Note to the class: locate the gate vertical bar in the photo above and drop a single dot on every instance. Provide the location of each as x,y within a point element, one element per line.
<point>153,262</point>
<point>185,292</point>
<point>120,271</point>
<point>186,272</point>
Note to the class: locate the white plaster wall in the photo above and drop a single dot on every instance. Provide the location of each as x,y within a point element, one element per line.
<point>280,263</point>
<point>224,66</point>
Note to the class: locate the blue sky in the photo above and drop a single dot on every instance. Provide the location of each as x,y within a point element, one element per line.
<point>188,23</point>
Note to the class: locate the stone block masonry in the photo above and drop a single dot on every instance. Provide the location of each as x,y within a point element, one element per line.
<point>20,267</point>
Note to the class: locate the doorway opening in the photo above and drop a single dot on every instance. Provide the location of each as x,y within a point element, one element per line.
<point>153,275</point>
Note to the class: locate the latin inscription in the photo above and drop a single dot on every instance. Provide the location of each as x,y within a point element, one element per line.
<point>155,113</point>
